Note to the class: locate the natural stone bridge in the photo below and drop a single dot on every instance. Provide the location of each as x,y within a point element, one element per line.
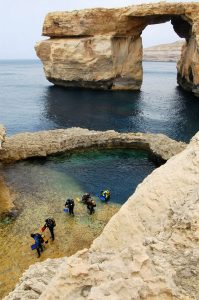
<point>102,48</point>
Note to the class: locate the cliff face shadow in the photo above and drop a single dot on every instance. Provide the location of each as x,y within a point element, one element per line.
<point>92,109</point>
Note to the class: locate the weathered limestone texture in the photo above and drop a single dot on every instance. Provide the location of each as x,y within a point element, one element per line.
<point>43,143</point>
<point>101,61</point>
<point>102,48</point>
<point>36,279</point>
<point>149,249</point>
<point>188,66</point>
<point>5,195</point>
<point>2,135</point>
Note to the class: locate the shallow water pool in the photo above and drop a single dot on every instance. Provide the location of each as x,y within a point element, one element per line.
<point>41,188</point>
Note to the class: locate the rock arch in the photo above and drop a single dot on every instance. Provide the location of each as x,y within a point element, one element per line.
<point>102,48</point>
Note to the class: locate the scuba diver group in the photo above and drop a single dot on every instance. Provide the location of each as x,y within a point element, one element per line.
<point>50,223</point>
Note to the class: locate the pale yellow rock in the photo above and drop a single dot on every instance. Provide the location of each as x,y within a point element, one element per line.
<point>129,21</point>
<point>188,66</point>
<point>43,143</point>
<point>102,48</point>
<point>96,62</point>
<point>165,207</point>
<point>149,249</point>
<point>5,195</point>
<point>2,135</point>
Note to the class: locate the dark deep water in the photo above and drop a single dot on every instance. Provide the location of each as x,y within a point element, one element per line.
<point>29,103</point>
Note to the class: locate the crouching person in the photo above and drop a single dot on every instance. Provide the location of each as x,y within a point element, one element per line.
<point>38,243</point>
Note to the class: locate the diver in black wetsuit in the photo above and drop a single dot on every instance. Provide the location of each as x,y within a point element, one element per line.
<point>90,206</point>
<point>50,224</point>
<point>70,204</point>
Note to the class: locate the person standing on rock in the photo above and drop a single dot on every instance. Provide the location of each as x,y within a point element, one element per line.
<point>50,224</point>
<point>90,206</point>
<point>70,205</point>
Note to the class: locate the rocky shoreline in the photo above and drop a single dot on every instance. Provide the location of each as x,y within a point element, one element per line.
<point>53,142</point>
<point>2,135</point>
<point>43,143</point>
<point>148,250</point>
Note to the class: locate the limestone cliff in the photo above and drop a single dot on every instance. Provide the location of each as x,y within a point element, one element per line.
<point>5,195</point>
<point>164,52</point>
<point>188,66</point>
<point>102,48</point>
<point>148,250</point>
<point>2,135</point>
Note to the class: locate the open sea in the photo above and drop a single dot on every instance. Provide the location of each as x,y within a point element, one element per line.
<point>40,186</point>
<point>28,102</point>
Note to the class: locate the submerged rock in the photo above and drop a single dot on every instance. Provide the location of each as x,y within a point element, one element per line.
<point>6,199</point>
<point>102,48</point>
<point>148,250</point>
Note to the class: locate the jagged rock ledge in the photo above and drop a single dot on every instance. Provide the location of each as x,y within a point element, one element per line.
<point>148,250</point>
<point>43,143</point>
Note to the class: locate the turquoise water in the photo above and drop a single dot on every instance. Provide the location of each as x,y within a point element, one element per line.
<point>120,171</point>
<point>41,188</point>
<point>30,103</point>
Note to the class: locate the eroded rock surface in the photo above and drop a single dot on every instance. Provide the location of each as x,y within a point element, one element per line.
<point>102,48</point>
<point>148,250</point>
<point>43,143</point>
<point>34,281</point>
<point>5,195</point>
<point>188,66</point>
<point>2,135</point>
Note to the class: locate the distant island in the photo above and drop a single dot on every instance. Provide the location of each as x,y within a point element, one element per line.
<point>163,52</point>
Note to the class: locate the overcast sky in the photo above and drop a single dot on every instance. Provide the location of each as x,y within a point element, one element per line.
<point>21,23</point>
